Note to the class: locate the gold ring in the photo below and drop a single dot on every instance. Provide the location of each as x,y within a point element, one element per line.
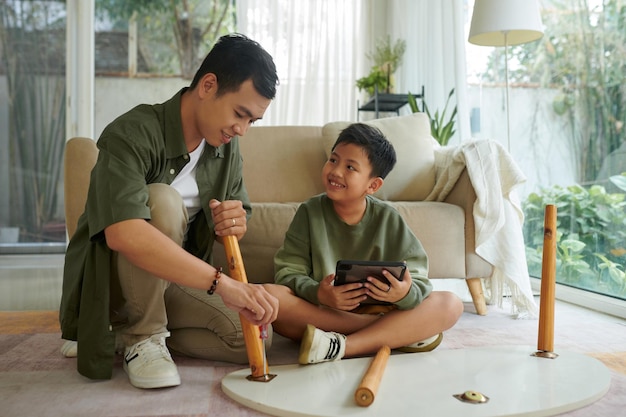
<point>234,222</point>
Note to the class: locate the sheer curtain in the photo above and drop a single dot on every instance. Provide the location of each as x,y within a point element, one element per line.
<point>320,49</point>
<point>317,47</point>
<point>435,53</point>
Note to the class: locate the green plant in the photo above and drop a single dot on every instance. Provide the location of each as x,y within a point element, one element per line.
<point>591,238</point>
<point>612,271</point>
<point>619,180</point>
<point>387,57</point>
<point>376,77</point>
<point>571,262</point>
<point>441,126</point>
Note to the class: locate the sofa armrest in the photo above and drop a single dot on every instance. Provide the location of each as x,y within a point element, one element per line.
<point>80,157</point>
<point>464,196</point>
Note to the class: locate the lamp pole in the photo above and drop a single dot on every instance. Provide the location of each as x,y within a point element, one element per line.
<point>506,82</point>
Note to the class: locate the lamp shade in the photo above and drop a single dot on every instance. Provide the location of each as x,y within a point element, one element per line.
<point>505,22</point>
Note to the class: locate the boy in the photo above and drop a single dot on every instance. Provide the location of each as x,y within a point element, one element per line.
<point>347,222</point>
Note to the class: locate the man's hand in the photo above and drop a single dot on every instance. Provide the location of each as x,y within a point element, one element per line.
<point>229,218</point>
<point>252,301</point>
<point>343,297</point>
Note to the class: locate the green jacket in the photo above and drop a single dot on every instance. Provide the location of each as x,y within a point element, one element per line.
<point>141,147</point>
<point>317,238</point>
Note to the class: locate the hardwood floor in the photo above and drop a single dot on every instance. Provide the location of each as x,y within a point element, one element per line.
<point>29,322</point>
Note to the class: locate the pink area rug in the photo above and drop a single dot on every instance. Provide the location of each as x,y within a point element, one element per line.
<point>35,380</point>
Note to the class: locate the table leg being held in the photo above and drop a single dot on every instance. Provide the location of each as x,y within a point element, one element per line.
<point>254,336</point>
<point>366,392</point>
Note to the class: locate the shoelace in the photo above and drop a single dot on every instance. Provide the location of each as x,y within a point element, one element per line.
<point>150,350</point>
<point>333,349</point>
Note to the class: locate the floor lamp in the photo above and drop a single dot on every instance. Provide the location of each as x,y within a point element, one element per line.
<point>505,23</point>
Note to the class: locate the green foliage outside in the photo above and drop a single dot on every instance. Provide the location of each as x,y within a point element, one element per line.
<point>582,54</point>
<point>619,181</point>
<point>187,29</point>
<point>591,236</point>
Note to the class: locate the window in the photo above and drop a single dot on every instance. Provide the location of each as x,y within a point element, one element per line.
<point>132,40</point>
<point>567,108</point>
<point>32,131</point>
<point>567,113</point>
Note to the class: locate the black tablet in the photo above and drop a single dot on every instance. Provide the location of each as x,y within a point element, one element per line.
<point>349,271</point>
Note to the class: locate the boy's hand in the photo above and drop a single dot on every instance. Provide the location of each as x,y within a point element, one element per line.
<point>391,293</point>
<point>343,297</point>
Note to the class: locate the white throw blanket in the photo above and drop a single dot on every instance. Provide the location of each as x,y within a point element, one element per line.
<point>498,216</point>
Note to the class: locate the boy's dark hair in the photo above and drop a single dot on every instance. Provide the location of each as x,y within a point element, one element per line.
<point>379,150</point>
<point>234,59</point>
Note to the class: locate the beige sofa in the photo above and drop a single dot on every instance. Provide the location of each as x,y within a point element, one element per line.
<point>282,167</point>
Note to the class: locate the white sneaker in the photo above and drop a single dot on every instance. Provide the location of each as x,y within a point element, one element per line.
<point>149,363</point>
<point>69,349</point>
<point>425,345</point>
<point>320,346</point>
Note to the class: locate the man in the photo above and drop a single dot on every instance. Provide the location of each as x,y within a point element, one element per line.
<point>167,184</point>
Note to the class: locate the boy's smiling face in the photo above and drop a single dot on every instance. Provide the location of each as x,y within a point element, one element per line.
<point>347,174</point>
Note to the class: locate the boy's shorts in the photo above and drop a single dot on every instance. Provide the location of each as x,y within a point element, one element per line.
<point>377,309</point>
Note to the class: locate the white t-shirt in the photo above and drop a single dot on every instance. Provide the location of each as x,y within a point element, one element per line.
<point>185,182</point>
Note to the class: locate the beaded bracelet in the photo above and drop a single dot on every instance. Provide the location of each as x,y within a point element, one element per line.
<point>218,274</point>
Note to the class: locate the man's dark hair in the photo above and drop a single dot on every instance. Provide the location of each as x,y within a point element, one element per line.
<point>379,150</point>
<point>234,59</point>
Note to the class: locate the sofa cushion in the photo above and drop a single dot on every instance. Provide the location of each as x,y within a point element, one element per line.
<point>440,228</point>
<point>283,163</point>
<point>266,232</point>
<point>445,246</point>
<point>413,177</point>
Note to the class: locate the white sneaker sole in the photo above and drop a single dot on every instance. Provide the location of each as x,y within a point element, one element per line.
<point>424,346</point>
<point>69,349</point>
<point>149,383</point>
<point>307,344</point>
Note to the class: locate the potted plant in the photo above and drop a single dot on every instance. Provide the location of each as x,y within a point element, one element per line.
<point>387,57</point>
<point>441,127</point>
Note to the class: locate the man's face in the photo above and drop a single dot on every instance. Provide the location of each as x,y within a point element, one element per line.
<point>231,114</point>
